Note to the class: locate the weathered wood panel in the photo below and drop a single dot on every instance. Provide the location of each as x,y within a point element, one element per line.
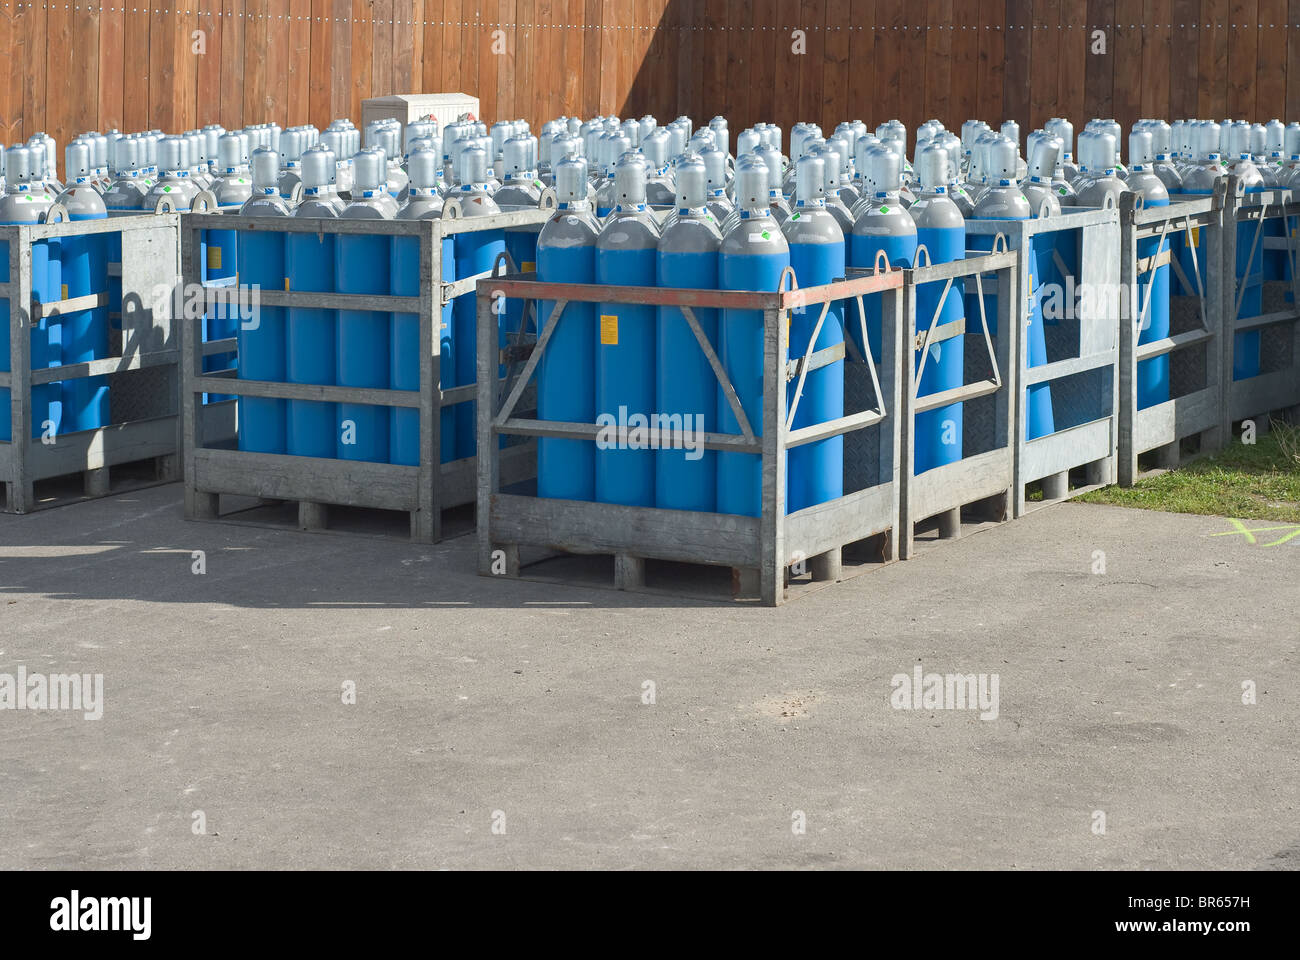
<point>68,69</point>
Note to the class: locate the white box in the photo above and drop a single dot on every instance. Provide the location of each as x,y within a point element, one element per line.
<point>405,107</point>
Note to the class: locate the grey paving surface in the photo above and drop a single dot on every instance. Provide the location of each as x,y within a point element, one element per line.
<point>1119,693</point>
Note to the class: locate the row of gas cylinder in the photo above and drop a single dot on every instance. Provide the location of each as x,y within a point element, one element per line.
<point>733,221</point>
<point>266,172</point>
<point>839,202</point>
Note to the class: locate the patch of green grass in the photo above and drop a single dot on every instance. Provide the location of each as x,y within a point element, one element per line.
<point>1258,482</point>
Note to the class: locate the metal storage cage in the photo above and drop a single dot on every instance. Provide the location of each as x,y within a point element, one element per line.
<point>422,491</point>
<point>1277,386</point>
<point>987,470</point>
<point>1082,354</point>
<point>1195,343</point>
<point>759,549</point>
<point>140,369</point>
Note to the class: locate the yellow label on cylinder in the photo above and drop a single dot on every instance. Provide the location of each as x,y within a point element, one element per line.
<point>63,294</point>
<point>286,284</point>
<point>214,258</point>
<point>609,331</point>
<point>528,266</point>
<point>1196,236</point>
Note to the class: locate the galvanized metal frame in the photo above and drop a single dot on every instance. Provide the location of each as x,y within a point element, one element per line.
<point>759,549</point>
<point>1269,392</point>
<point>1093,444</point>
<point>1163,426</point>
<point>423,491</point>
<point>943,491</point>
<point>150,258</point>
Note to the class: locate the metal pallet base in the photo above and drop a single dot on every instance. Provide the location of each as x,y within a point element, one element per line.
<point>94,456</point>
<point>694,541</point>
<point>317,485</point>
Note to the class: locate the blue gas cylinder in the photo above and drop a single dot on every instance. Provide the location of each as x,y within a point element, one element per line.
<point>686,475</point>
<point>566,386</point>
<point>625,352</point>
<point>815,472</point>
<point>753,256</point>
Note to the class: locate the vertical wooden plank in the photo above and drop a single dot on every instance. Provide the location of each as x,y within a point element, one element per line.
<point>206,89</point>
<point>1099,77</point>
<point>574,47</point>
<point>363,41</point>
<point>76,74</point>
<point>1243,58</point>
<point>963,78</point>
<point>254,62</point>
<point>55,62</point>
<point>1129,42</point>
<point>450,47</point>
<point>416,29</point>
<point>297,106</point>
<point>837,79</point>
<point>489,103</point>
<point>34,70</point>
<point>91,22</point>
<point>608,101</point>
<point>403,46</point>
<point>813,21</point>
<point>707,70</point>
<point>549,90</point>
<point>992,59</point>
<point>1016,83</point>
<point>629,63</point>
<point>1076,43</point>
<point>1184,61</point>
<point>912,94</point>
<point>763,41</point>
<point>633,97</point>
<point>161,79</point>
<point>862,51</point>
<point>340,59</point>
<point>547,80</point>
<point>320,102</point>
<point>1293,61</point>
<point>1270,89</point>
<point>505,62</point>
<point>434,14</point>
<point>469,49</point>
<point>231,97</point>
<point>527,53</point>
<point>889,61</point>
<point>593,11</point>
<point>1045,65</point>
<point>735,103</point>
<point>939,49</point>
<point>187,63</point>
<point>274,38</point>
<point>1156,56</point>
<point>176,108</point>
<point>381,48</point>
<point>1213,98</point>
<point>786,67</point>
<point>10,106</point>
<point>181,105</point>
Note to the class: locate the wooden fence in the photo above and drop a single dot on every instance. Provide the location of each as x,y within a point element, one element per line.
<point>175,65</point>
